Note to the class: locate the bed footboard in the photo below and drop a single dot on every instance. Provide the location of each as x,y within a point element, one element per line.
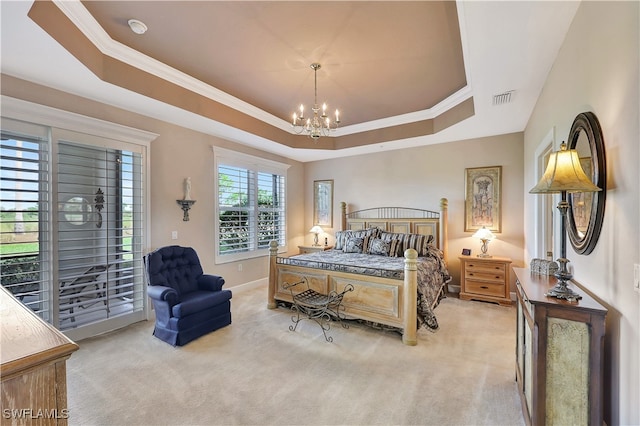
<point>376,299</point>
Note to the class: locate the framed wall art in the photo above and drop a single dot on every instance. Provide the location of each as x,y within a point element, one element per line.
<point>483,204</point>
<point>323,203</point>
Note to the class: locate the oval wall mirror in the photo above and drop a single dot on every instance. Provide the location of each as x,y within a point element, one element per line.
<point>586,209</point>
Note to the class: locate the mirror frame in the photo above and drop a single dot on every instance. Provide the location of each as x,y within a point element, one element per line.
<point>588,122</point>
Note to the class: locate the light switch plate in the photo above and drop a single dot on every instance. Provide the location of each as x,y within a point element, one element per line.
<point>636,277</point>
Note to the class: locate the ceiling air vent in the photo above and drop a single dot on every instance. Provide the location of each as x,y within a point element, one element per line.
<point>502,98</point>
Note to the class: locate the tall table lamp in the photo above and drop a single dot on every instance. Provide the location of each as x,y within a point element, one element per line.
<point>564,174</point>
<point>316,230</point>
<point>484,235</point>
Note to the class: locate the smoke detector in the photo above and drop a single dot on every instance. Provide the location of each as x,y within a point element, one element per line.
<point>137,27</point>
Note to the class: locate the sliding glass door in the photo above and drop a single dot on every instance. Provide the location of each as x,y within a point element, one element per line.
<point>99,239</point>
<point>73,225</point>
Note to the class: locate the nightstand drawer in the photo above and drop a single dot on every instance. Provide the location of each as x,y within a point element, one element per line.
<point>485,275</point>
<point>481,266</point>
<point>484,288</point>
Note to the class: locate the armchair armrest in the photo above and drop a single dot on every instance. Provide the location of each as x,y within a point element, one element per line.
<point>210,282</point>
<point>162,293</point>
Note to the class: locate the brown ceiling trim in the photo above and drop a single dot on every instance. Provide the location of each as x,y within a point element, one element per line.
<point>431,126</point>
<point>51,19</point>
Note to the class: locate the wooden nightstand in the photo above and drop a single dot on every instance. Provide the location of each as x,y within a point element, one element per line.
<point>485,278</point>
<point>313,249</point>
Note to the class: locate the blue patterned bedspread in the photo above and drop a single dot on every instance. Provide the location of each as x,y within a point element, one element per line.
<point>432,274</point>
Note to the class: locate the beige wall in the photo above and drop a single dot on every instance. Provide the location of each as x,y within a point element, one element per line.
<point>177,153</point>
<point>597,70</point>
<point>419,177</point>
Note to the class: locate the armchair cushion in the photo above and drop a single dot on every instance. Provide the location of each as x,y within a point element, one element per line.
<point>199,301</point>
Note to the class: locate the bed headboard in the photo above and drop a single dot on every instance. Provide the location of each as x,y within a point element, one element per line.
<point>401,220</point>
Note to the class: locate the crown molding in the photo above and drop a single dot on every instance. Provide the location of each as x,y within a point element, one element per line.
<point>30,112</point>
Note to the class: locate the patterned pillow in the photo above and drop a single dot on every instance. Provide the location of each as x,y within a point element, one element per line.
<point>353,245</point>
<point>378,247</point>
<point>341,238</point>
<point>396,249</point>
<point>419,243</point>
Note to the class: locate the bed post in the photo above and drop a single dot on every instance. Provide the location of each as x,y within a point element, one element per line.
<point>444,228</point>
<point>410,296</point>
<point>273,252</point>
<point>343,215</point>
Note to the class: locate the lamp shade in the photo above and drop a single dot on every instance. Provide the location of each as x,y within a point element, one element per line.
<point>316,230</point>
<point>564,173</point>
<point>484,234</point>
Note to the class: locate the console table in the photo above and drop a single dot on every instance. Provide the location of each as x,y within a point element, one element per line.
<point>559,354</point>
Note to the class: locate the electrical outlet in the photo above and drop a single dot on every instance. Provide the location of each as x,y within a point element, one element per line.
<point>174,235</point>
<point>239,267</point>
<point>636,277</point>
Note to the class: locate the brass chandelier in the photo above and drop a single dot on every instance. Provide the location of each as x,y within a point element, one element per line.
<point>318,125</point>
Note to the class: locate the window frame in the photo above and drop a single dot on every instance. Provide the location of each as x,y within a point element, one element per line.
<point>256,165</point>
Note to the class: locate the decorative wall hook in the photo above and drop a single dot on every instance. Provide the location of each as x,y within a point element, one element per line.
<point>99,200</point>
<point>185,205</point>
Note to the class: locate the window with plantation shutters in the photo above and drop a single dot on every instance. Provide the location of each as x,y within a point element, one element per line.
<point>251,205</point>
<point>24,182</point>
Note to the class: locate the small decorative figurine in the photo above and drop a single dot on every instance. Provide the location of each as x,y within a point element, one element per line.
<point>187,189</point>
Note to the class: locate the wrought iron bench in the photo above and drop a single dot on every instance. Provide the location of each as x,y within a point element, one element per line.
<point>321,308</point>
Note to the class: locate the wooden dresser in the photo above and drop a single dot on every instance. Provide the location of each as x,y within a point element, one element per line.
<point>485,278</point>
<point>559,354</point>
<point>33,367</point>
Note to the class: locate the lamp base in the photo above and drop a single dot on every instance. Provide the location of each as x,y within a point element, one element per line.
<point>485,255</point>
<point>561,291</point>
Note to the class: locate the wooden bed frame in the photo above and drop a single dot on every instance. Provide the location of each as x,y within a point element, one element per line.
<point>380,300</point>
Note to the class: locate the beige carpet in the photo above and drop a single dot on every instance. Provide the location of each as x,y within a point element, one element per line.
<point>257,372</point>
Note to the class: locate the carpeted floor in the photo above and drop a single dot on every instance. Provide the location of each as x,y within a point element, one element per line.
<point>257,372</point>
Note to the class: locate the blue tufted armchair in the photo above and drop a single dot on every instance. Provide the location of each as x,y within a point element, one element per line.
<point>188,303</point>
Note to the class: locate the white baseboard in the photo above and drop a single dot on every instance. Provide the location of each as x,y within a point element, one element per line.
<point>250,285</point>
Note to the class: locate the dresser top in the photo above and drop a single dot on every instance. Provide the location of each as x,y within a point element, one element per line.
<point>26,339</point>
<point>535,286</point>
<point>485,259</point>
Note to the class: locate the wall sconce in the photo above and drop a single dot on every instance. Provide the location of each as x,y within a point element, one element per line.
<point>564,174</point>
<point>484,235</point>
<point>316,230</point>
<point>186,203</point>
